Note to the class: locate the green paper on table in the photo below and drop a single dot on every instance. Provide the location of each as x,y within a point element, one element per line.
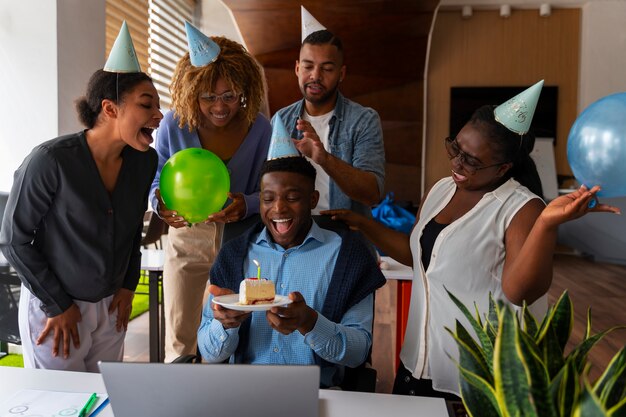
<point>53,403</point>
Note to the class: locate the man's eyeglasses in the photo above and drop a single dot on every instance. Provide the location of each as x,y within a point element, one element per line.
<point>227,98</point>
<point>470,164</point>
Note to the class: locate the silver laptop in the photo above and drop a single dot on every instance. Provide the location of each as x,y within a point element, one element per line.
<point>194,390</point>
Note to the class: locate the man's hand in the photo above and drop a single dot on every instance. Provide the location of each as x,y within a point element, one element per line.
<point>123,303</point>
<point>310,145</point>
<point>229,318</point>
<point>64,326</point>
<point>295,316</point>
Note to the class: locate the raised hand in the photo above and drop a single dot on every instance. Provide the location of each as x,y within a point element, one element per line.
<point>310,145</point>
<point>572,206</point>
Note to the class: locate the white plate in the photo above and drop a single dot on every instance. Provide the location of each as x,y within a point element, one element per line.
<point>231,301</point>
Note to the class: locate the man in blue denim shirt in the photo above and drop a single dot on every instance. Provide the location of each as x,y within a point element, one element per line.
<point>343,139</point>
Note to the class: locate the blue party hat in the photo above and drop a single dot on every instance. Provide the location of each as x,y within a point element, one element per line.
<point>517,113</point>
<point>309,23</point>
<point>281,145</point>
<point>202,49</point>
<point>122,57</point>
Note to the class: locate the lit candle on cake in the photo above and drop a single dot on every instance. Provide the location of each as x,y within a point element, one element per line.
<point>256,290</point>
<point>258,268</point>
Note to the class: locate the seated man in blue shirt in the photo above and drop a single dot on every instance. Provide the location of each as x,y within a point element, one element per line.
<point>329,276</point>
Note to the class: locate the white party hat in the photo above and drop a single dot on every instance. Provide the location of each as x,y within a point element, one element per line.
<point>309,23</point>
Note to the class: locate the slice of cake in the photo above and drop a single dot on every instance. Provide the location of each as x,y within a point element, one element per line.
<point>256,291</point>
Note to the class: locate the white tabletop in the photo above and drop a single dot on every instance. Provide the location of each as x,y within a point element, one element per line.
<point>152,259</point>
<point>332,403</point>
<point>396,270</point>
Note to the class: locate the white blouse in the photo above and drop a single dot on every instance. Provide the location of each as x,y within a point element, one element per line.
<point>467,259</point>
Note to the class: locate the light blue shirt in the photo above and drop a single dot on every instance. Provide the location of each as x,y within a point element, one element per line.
<point>355,136</point>
<point>308,269</point>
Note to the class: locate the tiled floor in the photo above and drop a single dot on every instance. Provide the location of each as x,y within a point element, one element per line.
<point>136,346</point>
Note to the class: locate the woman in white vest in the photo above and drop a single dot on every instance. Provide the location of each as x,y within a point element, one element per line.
<point>482,230</point>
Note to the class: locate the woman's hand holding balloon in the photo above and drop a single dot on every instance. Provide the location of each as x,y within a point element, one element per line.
<point>170,217</point>
<point>572,206</point>
<point>233,213</point>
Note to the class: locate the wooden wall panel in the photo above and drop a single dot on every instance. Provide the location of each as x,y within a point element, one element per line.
<point>487,50</point>
<point>385,51</point>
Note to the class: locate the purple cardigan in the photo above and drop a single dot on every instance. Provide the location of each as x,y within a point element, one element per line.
<point>244,167</point>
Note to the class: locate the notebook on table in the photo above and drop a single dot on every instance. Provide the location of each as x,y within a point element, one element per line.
<point>224,390</point>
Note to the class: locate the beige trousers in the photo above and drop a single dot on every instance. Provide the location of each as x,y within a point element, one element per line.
<point>189,255</point>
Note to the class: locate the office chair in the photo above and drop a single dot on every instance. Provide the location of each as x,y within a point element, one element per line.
<point>154,228</point>
<point>363,377</point>
<point>9,306</point>
<point>9,298</point>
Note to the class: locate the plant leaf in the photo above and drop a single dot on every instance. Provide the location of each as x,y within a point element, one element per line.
<point>611,386</point>
<point>551,352</point>
<point>530,323</point>
<point>492,315</point>
<point>588,328</point>
<point>589,405</point>
<point>538,375</point>
<point>471,357</point>
<point>479,397</point>
<point>561,320</point>
<point>485,341</point>
<point>580,352</point>
<point>565,389</point>
<point>512,387</point>
<point>619,410</point>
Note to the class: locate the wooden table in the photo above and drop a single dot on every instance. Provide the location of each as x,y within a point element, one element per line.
<point>152,261</point>
<point>404,275</point>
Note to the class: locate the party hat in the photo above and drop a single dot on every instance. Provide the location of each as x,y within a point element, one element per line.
<point>517,113</point>
<point>122,57</point>
<point>202,49</point>
<point>309,23</point>
<point>281,145</point>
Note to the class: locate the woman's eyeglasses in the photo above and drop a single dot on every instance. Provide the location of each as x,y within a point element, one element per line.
<point>470,164</point>
<point>227,98</point>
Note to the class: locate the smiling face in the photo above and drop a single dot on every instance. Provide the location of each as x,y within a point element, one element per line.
<point>319,70</point>
<point>217,112</point>
<point>472,146</point>
<point>287,199</point>
<point>139,115</point>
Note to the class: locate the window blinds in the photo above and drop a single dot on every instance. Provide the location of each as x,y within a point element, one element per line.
<point>167,41</point>
<point>158,31</point>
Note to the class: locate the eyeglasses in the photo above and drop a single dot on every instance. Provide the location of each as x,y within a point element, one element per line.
<point>228,97</point>
<point>470,164</point>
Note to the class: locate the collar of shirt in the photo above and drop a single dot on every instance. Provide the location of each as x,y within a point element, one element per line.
<point>265,238</point>
<point>338,110</point>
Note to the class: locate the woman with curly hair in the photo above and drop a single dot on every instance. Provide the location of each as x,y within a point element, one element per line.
<point>216,104</point>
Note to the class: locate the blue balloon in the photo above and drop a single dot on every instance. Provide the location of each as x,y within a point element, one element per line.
<point>596,146</point>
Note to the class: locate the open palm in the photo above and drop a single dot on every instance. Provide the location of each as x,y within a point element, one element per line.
<point>574,205</point>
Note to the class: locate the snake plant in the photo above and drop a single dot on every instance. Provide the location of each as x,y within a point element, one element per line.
<point>514,365</point>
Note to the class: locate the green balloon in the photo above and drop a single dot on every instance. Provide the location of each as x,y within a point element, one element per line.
<point>195,183</point>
